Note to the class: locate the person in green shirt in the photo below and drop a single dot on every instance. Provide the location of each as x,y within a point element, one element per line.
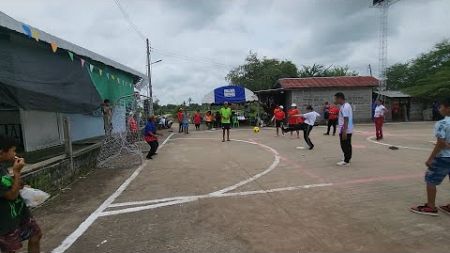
<point>16,222</point>
<point>225,115</point>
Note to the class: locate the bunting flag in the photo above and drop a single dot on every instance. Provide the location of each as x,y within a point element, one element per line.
<point>91,67</point>
<point>70,55</point>
<point>35,34</point>
<point>54,47</point>
<point>27,30</point>
<point>107,75</point>
<point>100,71</point>
<point>113,77</point>
<point>82,62</point>
<point>118,80</point>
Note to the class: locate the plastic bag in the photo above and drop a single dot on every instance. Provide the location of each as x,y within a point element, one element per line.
<point>33,197</point>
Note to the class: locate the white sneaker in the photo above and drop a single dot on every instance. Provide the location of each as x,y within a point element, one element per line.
<point>342,163</point>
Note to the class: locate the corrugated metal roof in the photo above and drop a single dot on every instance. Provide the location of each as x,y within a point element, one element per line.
<point>12,24</point>
<point>393,94</point>
<point>328,82</point>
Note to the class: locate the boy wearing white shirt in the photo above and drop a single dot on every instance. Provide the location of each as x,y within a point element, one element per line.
<point>380,110</point>
<point>345,127</point>
<point>310,119</point>
<point>307,126</point>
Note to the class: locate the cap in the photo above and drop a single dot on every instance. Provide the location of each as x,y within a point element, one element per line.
<point>294,105</point>
<point>281,107</point>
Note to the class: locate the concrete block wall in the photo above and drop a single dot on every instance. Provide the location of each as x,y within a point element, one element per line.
<point>416,110</point>
<point>55,174</point>
<point>359,98</point>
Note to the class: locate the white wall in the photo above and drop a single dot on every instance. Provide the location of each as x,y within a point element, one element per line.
<point>40,129</point>
<point>45,129</point>
<point>85,126</point>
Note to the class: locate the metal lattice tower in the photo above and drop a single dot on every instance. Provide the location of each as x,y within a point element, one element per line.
<point>383,40</point>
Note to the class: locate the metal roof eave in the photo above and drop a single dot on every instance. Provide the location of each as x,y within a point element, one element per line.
<point>14,25</point>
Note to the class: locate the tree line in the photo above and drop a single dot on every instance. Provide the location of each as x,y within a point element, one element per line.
<point>426,76</point>
<point>262,73</point>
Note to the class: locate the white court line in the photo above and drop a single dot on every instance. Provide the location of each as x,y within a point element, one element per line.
<point>253,178</point>
<point>371,139</point>
<point>184,199</point>
<point>70,240</point>
<point>181,199</point>
<point>271,167</point>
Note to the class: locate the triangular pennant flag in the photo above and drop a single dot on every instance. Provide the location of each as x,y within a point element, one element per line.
<point>35,34</point>
<point>107,75</point>
<point>27,30</point>
<point>113,77</point>
<point>70,55</point>
<point>82,62</point>
<point>91,67</point>
<point>54,47</point>
<point>118,80</point>
<point>100,71</point>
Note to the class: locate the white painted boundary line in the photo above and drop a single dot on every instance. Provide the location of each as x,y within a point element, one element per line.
<point>371,139</point>
<point>97,213</point>
<point>271,167</point>
<point>181,199</point>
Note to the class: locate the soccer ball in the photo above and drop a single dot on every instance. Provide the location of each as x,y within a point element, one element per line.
<point>256,130</point>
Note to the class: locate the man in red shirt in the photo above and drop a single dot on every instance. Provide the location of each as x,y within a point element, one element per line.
<point>197,120</point>
<point>294,118</point>
<point>180,120</point>
<point>279,115</point>
<point>333,114</point>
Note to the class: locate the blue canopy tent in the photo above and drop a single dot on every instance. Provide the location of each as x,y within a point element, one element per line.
<point>231,94</point>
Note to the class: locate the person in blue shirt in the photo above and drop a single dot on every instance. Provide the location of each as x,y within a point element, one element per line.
<point>438,163</point>
<point>150,137</point>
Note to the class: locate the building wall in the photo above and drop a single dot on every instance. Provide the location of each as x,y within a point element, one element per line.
<point>40,129</point>
<point>416,111</point>
<point>359,98</point>
<point>45,129</point>
<point>85,126</point>
<point>10,124</point>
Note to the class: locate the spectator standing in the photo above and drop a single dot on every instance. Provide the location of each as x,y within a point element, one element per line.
<point>345,121</point>
<point>197,120</point>
<point>380,110</point>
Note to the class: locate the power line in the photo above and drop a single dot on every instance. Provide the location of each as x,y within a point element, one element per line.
<point>167,53</point>
<point>128,19</point>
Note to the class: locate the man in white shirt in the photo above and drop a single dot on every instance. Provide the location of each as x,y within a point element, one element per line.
<point>345,127</point>
<point>310,119</point>
<point>380,110</point>
<point>308,124</point>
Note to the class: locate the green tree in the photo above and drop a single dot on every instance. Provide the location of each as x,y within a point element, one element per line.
<point>427,76</point>
<point>259,74</point>
<point>318,70</point>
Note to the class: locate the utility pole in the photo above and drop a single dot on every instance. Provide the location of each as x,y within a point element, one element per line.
<point>149,75</point>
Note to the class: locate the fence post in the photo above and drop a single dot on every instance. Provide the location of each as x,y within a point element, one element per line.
<point>68,141</point>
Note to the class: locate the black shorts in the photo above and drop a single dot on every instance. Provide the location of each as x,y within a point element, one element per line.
<point>278,123</point>
<point>226,125</point>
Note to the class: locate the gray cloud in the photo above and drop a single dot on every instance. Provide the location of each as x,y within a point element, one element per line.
<point>199,40</point>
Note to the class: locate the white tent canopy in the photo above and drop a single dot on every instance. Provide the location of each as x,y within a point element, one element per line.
<point>231,94</point>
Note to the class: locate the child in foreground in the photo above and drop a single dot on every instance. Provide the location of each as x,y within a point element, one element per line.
<point>16,222</point>
<point>438,163</point>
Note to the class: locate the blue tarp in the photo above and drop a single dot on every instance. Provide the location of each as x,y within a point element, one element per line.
<point>232,94</point>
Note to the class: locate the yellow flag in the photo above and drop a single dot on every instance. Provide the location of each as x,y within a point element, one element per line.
<point>35,34</point>
<point>54,47</point>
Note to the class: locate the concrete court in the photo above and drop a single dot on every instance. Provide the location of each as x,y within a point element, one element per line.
<point>198,195</point>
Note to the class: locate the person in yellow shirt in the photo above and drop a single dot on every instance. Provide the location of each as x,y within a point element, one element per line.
<point>225,115</point>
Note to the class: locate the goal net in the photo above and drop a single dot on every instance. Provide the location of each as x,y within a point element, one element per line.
<point>124,147</point>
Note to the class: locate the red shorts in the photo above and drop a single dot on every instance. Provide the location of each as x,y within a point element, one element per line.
<point>12,241</point>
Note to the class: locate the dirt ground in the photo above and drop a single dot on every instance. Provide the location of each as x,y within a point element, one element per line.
<point>256,193</point>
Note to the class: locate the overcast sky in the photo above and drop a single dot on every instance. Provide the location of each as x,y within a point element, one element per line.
<point>199,41</point>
